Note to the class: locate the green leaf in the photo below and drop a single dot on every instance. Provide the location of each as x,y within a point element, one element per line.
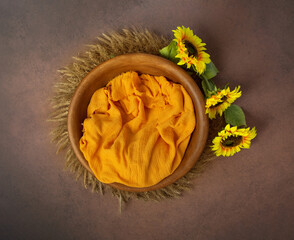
<point>205,89</point>
<point>173,50</point>
<point>209,87</point>
<point>170,52</point>
<point>235,116</point>
<point>165,52</point>
<point>211,70</point>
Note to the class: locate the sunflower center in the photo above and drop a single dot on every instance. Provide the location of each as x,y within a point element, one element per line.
<point>192,51</point>
<point>224,98</point>
<point>232,141</point>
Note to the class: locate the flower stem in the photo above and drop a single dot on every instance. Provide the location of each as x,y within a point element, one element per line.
<point>208,86</point>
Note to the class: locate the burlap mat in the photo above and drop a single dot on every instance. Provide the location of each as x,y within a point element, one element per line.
<point>106,47</point>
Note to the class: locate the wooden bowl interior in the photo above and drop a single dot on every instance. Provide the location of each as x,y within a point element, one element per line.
<point>141,63</point>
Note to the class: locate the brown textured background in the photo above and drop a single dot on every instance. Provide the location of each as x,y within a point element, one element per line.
<point>248,196</point>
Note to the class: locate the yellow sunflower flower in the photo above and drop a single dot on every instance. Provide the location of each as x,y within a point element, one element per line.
<point>191,50</point>
<point>219,102</point>
<point>230,140</point>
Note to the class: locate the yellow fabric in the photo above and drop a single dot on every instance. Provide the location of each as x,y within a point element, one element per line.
<point>137,130</point>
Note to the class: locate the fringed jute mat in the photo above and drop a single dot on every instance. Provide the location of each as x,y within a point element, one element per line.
<point>108,46</point>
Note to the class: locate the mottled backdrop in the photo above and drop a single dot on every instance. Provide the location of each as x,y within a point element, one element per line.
<point>248,196</point>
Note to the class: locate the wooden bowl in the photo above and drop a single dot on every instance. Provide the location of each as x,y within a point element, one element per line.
<point>141,63</point>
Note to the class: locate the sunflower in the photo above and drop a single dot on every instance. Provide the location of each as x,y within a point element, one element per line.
<point>220,101</point>
<point>230,140</point>
<point>191,50</point>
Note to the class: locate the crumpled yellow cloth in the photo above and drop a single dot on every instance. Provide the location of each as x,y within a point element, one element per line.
<point>137,130</point>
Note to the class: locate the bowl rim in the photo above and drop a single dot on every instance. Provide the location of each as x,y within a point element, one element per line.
<point>202,124</point>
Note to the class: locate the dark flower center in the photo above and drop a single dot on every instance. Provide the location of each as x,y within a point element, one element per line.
<point>223,99</point>
<point>232,141</point>
<point>192,51</point>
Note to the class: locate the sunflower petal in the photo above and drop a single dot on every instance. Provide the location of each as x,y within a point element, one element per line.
<point>245,134</point>
<point>182,35</point>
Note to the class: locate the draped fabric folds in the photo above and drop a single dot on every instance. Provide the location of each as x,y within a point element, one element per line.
<point>137,129</point>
